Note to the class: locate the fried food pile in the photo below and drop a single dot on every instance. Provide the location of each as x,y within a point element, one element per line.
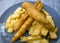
<point>34,19</point>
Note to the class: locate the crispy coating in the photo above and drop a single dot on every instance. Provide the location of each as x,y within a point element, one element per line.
<point>22,29</point>
<point>33,13</point>
<point>38,5</point>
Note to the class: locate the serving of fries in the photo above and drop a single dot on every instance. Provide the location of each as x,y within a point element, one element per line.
<point>34,19</point>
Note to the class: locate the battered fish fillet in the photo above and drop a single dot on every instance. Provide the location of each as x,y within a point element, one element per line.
<point>33,13</point>
<point>22,29</point>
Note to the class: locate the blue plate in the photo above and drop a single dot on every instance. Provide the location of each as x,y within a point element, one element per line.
<point>5,37</point>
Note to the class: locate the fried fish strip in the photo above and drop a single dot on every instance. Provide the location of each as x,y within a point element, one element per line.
<point>22,29</point>
<point>20,22</point>
<point>33,13</point>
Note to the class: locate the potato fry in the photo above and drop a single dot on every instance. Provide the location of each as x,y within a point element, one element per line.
<point>37,30</point>
<point>56,29</point>
<point>46,13</point>
<point>38,41</point>
<point>22,29</point>
<point>16,16</point>
<point>49,18</point>
<point>8,20</point>
<point>52,35</point>
<point>17,11</point>
<point>32,29</point>
<point>10,30</point>
<point>9,26</point>
<point>30,38</point>
<point>44,31</point>
<point>34,41</point>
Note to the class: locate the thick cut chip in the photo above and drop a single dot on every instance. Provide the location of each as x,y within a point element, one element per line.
<point>52,35</point>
